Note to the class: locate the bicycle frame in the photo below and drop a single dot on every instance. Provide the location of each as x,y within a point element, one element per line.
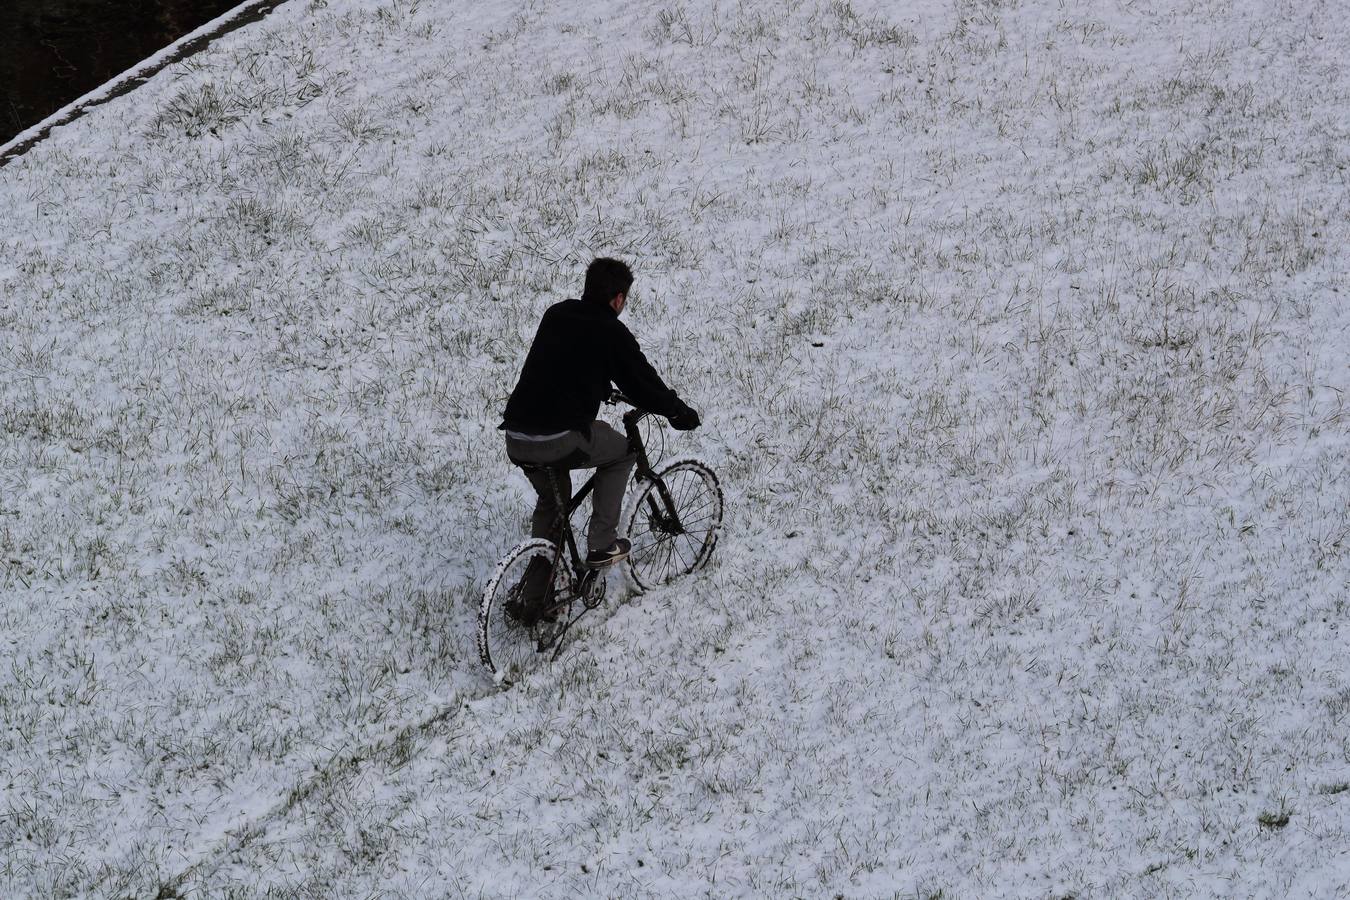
<point>643,471</point>
<point>564,523</point>
<point>585,584</point>
<point>584,578</point>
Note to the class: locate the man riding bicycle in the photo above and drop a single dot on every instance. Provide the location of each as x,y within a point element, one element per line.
<point>580,349</point>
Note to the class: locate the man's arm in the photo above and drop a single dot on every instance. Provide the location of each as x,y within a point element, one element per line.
<point>636,377</point>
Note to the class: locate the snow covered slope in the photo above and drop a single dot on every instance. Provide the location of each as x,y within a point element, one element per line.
<point>1020,337</point>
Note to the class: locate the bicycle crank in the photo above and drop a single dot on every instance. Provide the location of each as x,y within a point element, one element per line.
<point>593,588</point>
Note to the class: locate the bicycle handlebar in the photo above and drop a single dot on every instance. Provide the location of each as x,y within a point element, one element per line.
<point>634,415</point>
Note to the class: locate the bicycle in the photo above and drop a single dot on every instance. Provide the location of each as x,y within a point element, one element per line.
<point>672,524</point>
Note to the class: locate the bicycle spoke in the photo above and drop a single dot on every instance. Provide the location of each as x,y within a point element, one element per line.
<point>652,533</point>
<point>647,539</point>
<point>692,487</point>
<point>683,489</point>
<point>695,551</point>
<point>675,547</point>
<point>651,555</point>
<point>674,524</point>
<point>707,503</point>
<point>686,522</point>
<point>692,533</point>
<point>506,645</point>
<point>665,565</point>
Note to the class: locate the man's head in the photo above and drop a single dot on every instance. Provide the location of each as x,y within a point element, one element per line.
<point>607,282</point>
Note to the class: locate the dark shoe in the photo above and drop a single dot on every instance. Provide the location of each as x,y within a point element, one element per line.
<point>616,552</point>
<point>529,603</point>
<point>530,614</point>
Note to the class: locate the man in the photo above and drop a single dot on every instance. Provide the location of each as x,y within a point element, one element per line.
<point>581,347</point>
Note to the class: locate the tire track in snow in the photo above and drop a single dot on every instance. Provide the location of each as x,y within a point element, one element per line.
<point>210,857</point>
<point>237,838</point>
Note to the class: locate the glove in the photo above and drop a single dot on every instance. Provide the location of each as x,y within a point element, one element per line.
<point>686,419</point>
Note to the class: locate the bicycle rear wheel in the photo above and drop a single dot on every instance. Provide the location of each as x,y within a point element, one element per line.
<point>505,645</point>
<point>673,524</point>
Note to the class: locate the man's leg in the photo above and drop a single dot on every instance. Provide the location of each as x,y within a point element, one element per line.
<point>607,450</point>
<point>544,521</point>
<point>543,524</point>
<point>558,452</point>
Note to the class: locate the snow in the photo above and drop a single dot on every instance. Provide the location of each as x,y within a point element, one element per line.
<point>1017,333</point>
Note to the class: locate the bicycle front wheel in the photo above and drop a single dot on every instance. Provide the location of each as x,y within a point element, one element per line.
<point>673,524</point>
<point>506,646</point>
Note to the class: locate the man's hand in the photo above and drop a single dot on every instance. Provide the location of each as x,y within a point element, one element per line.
<point>686,419</point>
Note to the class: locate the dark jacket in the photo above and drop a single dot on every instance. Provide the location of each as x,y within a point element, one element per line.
<point>579,349</point>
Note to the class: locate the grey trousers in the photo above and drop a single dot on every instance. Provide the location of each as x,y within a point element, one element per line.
<point>603,449</point>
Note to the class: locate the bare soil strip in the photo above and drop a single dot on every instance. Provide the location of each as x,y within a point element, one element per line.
<point>243,14</point>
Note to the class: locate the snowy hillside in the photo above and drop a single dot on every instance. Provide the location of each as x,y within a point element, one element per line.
<point>1020,337</point>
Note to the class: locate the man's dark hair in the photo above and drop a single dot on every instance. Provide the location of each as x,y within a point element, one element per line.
<point>606,277</point>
